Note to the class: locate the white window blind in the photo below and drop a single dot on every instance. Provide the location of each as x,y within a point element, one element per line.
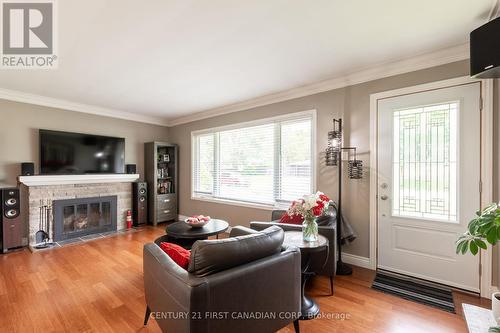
<point>264,162</point>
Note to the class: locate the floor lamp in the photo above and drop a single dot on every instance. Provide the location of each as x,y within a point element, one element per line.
<point>355,171</point>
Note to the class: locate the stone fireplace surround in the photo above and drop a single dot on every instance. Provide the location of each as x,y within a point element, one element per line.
<point>50,188</point>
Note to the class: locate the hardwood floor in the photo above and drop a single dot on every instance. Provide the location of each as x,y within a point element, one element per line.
<point>97,287</point>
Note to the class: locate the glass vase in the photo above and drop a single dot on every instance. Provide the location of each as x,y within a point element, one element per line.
<point>310,229</point>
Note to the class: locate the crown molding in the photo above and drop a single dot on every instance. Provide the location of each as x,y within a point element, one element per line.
<point>441,57</point>
<point>22,97</point>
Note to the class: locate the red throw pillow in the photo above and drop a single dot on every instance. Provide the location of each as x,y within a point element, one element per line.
<point>292,219</point>
<point>177,253</point>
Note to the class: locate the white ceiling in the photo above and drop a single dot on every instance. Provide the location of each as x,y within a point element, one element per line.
<point>170,59</point>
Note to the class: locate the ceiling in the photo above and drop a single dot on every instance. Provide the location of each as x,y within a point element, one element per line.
<point>162,59</point>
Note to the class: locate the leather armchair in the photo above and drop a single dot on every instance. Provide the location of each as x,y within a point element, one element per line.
<point>185,302</point>
<point>327,229</point>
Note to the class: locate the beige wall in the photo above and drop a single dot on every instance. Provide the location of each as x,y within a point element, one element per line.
<point>496,173</point>
<point>19,124</point>
<point>19,143</point>
<point>350,103</point>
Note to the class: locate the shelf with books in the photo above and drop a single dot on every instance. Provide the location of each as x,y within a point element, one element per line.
<point>161,174</point>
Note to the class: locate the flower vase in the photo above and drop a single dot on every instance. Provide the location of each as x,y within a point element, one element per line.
<point>310,229</point>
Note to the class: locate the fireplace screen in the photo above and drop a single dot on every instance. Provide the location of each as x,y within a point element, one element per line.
<point>80,217</point>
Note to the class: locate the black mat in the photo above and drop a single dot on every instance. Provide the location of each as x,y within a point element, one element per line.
<point>414,289</point>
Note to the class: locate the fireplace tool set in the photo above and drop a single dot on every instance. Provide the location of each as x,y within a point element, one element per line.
<point>42,237</point>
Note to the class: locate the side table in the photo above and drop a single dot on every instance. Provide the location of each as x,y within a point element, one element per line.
<point>309,308</point>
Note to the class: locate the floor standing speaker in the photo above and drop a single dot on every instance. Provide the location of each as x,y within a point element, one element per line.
<point>140,203</point>
<point>12,226</point>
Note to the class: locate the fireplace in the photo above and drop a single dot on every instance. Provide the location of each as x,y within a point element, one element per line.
<point>84,216</point>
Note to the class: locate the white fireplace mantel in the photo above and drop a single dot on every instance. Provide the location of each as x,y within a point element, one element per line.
<point>46,180</point>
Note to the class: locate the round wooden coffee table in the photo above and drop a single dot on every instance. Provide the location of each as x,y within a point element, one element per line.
<point>308,309</point>
<point>183,234</point>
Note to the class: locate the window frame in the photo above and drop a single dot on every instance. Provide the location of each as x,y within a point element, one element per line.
<point>209,197</point>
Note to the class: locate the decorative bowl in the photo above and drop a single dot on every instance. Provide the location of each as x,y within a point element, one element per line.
<point>194,222</point>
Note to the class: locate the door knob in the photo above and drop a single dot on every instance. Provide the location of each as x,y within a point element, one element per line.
<point>384,197</point>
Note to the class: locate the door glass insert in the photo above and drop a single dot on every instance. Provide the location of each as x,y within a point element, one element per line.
<point>69,218</point>
<point>106,213</point>
<point>94,215</point>
<point>425,162</point>
<point>81,221</point>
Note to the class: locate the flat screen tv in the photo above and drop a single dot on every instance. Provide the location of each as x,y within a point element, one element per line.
<point>63,153</point>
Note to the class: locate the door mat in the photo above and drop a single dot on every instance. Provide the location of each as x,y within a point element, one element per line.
<point>414,289</point>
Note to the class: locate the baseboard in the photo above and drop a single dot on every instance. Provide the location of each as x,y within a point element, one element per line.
<point>355,260</point>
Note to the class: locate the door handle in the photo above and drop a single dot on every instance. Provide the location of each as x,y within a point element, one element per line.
<point>384,197</point>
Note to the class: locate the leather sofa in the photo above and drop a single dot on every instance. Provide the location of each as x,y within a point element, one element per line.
<point>219,294</point>
<point>327,227</point>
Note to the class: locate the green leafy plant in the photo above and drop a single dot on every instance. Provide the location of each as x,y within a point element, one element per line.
<point>485,227</point>
<point>494,329</point>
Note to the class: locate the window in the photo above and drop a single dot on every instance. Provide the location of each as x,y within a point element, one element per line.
<point>425,162</point>
<point>267,162</point>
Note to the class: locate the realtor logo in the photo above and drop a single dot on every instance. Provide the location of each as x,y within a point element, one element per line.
<point>28,34</point>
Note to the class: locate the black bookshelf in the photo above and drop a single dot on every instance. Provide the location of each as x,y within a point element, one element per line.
<point>161,165</point>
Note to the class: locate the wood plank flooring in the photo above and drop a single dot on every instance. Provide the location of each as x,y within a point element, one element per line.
<point>97,287</point>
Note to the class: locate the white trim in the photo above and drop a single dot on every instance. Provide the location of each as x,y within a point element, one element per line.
<point>382,70</point>
<point>287,117</point>
<point>355,260</point>
<point>45,180</point>
<point>373,181</point>
<point>424,87</point>
<point>418,62</point>
<point>22,97</point>
<point>314,151</point>
<point>257,122</point>
<point>487,160</point>
<point>234,203</point>
<point>486,176</point>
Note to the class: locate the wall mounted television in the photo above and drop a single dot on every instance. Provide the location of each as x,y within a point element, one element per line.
<point>63,153</point>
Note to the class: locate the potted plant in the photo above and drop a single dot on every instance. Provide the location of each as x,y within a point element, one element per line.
<point>483,229</point>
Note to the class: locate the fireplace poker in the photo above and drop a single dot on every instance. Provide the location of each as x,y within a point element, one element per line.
<point>42,236</point>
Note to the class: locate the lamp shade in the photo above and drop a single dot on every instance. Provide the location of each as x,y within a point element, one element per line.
<point>331,156</point>
<point>332,153</point>
<point>355,169</point>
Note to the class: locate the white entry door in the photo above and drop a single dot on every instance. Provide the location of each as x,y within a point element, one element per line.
<point>429,183</point>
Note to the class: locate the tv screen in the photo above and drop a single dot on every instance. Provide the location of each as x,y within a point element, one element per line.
<point>75,153</point>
